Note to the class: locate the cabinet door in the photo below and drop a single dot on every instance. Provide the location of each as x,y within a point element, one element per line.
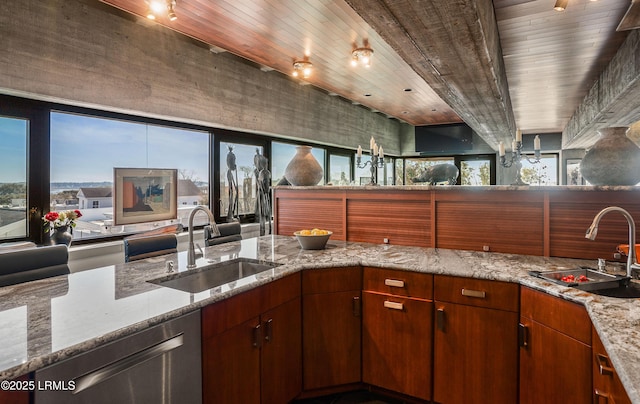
<point>607,387</point>
<point>282,353</point>
<point>16,396</point>
<point>231,365</point>
<point>554,368</point>
<point>397,339</point>
<point>331,339</point>
<point>475,355</point>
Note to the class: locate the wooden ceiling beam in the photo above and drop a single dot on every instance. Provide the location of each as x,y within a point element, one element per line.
<point>455,47</point>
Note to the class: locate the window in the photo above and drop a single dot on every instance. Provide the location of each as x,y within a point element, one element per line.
<point>85,150</point>
<point>415,167</point>
<point>13,177</point>
<point>477,169</point>
<point>281,155</point>
<point>237,179</point>
<point>339,169</point>
<point>543,173</point>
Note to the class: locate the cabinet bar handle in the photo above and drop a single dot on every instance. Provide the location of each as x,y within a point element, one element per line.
<point>357,306</point>
<point>600,395</point>
<point>603,365</point>
<point>257,336</point>
<point>440,319</point>
<point>395,283</point>
<point>393,305</point>
<point>523,335</point>
<point>474,293</point>
<point>268,330</point>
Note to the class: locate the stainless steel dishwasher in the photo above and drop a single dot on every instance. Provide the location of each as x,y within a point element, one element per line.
<point>159,365</point>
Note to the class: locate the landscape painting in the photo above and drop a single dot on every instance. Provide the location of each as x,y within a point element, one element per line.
<point>144,195</point>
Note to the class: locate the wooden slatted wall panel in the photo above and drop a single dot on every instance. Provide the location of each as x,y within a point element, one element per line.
<point>403,218</point>
<point>502,221</point>
<point>571,215</point>
<point>295,213</point>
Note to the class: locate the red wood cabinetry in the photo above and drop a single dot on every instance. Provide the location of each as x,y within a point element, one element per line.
<point>331,327</point>
<point>607,387</point>
<point>9,396</point>
<point>555,350</point>
<point>475,341</point>
<point>397,332</point>
<point>251,345</point>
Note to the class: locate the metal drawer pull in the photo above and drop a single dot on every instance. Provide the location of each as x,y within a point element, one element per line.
<point>393,305</point>
<point>474,293</point>
<point>112,369</point>
<point>603,365</point>
<point>599,394</point>
<point>394,283</point>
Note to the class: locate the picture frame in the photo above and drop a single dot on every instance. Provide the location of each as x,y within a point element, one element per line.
<point>574,176</point>
<point>144,195</point>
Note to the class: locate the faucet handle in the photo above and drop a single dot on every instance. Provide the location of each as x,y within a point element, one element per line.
<point>602,265</point>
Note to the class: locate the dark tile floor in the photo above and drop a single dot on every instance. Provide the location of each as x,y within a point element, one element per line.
<point>358,397</point>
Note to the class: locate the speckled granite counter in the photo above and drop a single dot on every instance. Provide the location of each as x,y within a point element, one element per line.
<point>45,321</point>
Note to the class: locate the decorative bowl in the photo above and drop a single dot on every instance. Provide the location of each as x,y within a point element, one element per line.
<point>313,242</point>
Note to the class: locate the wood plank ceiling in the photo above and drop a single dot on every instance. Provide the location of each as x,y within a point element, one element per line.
<point>497,65</point>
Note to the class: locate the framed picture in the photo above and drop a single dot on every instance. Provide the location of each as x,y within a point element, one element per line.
<point>574,176</point>
<point>144,195</point>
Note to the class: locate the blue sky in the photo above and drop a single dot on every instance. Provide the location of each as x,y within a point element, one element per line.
<point>87,149</point>
<point>13,150</point>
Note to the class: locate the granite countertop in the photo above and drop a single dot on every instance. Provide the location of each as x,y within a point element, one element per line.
<point>46,321</point>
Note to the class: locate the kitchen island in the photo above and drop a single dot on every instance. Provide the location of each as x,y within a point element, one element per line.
<point>47,321</point>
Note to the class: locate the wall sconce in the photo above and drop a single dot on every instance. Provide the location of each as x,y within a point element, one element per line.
<point>560,5</point>
<point>302,67</point>
<point>362,56</point>
<point>160,7</point>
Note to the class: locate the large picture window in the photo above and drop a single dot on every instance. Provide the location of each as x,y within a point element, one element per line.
<point>282,153</point>
<point>238,179</point>
<point>86,149</point>
<point>13,177</point>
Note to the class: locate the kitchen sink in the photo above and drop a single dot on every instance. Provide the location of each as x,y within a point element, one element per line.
<point>210,276</point>
<point>593,281</point>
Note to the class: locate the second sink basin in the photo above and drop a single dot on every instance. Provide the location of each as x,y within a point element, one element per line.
<point>214,275</point>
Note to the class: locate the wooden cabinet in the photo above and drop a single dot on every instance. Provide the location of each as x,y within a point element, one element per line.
<point>331,327</point>
<point>397,331</point>
<point>17,396</point>
<point>475,341</point>
<point>251,345</point>
<point>607,387</point>
<point>484,221</point>
<point>555,350</point>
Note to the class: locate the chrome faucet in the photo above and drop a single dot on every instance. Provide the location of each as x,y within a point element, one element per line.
<point>191,252</point>
<point>632,263</point>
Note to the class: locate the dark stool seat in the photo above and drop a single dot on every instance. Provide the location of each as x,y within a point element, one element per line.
<point>30,264</point>
<point>137,248</point>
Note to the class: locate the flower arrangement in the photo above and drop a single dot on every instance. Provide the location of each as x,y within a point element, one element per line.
<point>60,219</point>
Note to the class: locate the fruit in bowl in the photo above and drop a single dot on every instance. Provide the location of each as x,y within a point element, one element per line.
<point>315,239</point>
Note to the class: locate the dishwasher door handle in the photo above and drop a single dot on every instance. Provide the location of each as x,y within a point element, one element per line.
<point>108,371</point>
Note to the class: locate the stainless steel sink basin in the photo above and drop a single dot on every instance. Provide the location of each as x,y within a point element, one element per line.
<point>210,276</point>
<point>593,281</point>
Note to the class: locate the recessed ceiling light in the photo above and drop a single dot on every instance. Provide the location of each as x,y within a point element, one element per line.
<point>367,95</point>
<point>408,90</point>
<point>405,112</point>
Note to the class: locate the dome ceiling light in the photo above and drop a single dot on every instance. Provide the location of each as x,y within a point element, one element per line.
<point>362,55</point>
<point>302,68</point>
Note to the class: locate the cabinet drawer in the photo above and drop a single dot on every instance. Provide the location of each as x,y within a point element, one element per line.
<point>330,280</point>
<point>399,283</point>
<point>477,292</point>
<point>564,316</point>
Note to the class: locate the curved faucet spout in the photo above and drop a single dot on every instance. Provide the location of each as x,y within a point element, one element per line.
<point>592,231</point>
<point>191,251</point>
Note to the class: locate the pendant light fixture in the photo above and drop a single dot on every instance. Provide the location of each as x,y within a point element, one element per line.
<point>561,5</point>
